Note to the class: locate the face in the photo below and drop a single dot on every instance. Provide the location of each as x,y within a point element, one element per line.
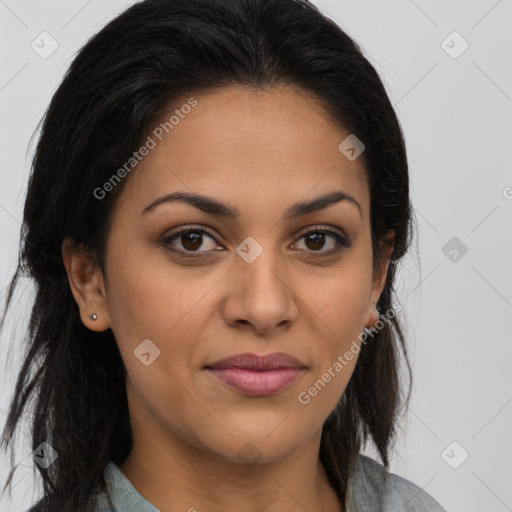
<point>188,286</point>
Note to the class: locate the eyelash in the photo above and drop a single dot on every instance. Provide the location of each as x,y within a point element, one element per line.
<point>341,241</point>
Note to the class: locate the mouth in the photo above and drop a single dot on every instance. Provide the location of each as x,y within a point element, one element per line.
<point>253,375</point>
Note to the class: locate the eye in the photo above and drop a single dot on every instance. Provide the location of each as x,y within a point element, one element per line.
<point>318,239</point>
<point>190,240</point>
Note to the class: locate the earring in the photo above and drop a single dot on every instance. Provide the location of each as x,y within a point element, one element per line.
<point>93,317</point>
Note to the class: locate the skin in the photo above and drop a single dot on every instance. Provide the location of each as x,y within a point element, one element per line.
<point>260,151</point>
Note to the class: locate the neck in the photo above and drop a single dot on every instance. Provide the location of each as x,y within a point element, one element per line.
<point>179,477</point>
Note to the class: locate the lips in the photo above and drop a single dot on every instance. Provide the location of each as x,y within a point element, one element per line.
<point>276,361</point>
<point>255,375</point>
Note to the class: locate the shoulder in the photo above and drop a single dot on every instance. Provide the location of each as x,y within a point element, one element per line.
<point>100,503</point>
<point>117,495</point>
<point>371,487</point>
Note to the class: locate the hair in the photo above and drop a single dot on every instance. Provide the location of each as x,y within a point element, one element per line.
<point>118,86</point>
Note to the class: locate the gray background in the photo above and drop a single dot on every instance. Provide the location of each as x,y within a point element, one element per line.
<point>456,116</point>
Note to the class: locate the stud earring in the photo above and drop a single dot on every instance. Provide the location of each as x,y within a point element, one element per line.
<point>93,317</point>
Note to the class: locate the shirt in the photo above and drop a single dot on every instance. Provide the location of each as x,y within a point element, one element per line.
<point>366,492</point>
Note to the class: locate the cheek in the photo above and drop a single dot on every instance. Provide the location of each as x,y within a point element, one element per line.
<point>340,305</point>
<point>151,298</point>
<point>340,300</point>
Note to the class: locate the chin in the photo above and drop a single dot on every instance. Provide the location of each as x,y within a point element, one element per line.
<point>251,447</point>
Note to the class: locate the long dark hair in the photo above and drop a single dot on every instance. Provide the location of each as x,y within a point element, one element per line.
<point>119,84</point>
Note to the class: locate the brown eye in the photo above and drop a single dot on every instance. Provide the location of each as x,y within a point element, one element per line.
<point>317,240</point>
<point>190,240</point>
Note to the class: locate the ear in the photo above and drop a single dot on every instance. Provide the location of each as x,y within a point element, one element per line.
<point>379,278</point>
<point>86,283</point>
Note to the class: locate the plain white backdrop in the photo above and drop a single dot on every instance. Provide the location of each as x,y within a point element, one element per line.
<point>447,67</point>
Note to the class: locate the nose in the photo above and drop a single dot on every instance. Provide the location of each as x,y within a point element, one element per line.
<point>260,295</point>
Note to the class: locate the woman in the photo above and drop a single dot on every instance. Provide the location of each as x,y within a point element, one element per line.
<point>217,205</point>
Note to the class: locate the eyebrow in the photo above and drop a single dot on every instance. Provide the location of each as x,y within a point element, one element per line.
<point>214,207</point>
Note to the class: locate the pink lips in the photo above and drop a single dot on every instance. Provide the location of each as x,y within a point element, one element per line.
<point>257,376</point>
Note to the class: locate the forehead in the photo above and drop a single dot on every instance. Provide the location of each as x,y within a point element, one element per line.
<point>255,147</point>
